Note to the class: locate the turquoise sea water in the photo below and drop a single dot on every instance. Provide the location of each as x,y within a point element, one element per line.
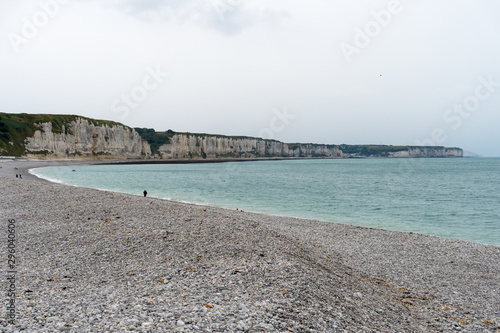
<point>452,198</point>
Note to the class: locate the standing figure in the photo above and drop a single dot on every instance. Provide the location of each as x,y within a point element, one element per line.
<point>145,193</point>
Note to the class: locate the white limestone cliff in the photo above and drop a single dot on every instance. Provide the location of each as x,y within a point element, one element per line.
<point>184,146</point>
<point>85,139</point>
<point>195,146</point>
<point>82,139</point>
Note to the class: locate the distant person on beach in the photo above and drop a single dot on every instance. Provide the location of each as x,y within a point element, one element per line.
<point>17,176</point>
<point>20,177</point>
<point>145,193</point>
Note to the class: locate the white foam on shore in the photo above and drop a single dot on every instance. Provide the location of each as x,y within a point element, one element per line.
<point>52,180</point>
<point>200,204</point>
<point>57,181</point>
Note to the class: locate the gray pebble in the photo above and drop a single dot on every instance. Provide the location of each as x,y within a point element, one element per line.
<point>215,270</point>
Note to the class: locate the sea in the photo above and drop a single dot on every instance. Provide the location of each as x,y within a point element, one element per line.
<point>457,198</point>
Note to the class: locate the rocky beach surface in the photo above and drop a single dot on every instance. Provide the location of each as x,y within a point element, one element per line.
<point>96,261</point>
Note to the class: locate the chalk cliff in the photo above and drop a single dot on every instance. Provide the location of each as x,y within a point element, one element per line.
<point>83,139</point>
<point>185,145</point>
<point>75,137</point>
<point>188,146</point>
<point>68,137</point>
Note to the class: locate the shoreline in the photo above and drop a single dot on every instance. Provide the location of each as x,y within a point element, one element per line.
<point>27,165</point>
<point>200,204</point>
<point>24,165</point>
<point>148,262</point>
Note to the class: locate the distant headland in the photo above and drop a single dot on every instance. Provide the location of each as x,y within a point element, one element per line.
<point>48,136</point>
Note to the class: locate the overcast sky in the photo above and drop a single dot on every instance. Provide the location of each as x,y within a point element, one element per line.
<point>358,72</point>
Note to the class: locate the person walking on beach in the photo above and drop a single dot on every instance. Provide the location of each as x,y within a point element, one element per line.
<point>145,193</point>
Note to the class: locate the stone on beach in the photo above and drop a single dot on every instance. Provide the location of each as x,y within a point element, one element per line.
<point>86,270</point>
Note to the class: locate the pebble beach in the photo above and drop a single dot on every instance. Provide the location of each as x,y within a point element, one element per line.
<point>96,261</point>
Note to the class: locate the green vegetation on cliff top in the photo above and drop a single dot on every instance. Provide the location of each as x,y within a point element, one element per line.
<point>156,139</point>
<point>15,128</point>
<point>372,150</point>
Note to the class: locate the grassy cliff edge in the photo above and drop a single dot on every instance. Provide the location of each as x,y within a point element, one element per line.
<point>16,128</point>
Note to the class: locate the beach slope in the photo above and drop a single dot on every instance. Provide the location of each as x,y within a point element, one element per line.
<point>90,261</point>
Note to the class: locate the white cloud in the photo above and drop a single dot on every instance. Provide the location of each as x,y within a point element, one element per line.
<point>230,70</point>
<point>227,16</point>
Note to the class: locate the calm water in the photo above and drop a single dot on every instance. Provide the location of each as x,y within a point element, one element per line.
<point>452,198</point>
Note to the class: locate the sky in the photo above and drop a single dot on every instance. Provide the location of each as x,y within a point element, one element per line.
<point>397,72</point>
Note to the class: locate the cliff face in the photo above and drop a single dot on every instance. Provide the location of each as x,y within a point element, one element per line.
<point>454,152</point>
<point>429,151</point>
<point>75,137</point>
<point>188,146</point>
<point>210,146</point>
<point>83,139</point>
